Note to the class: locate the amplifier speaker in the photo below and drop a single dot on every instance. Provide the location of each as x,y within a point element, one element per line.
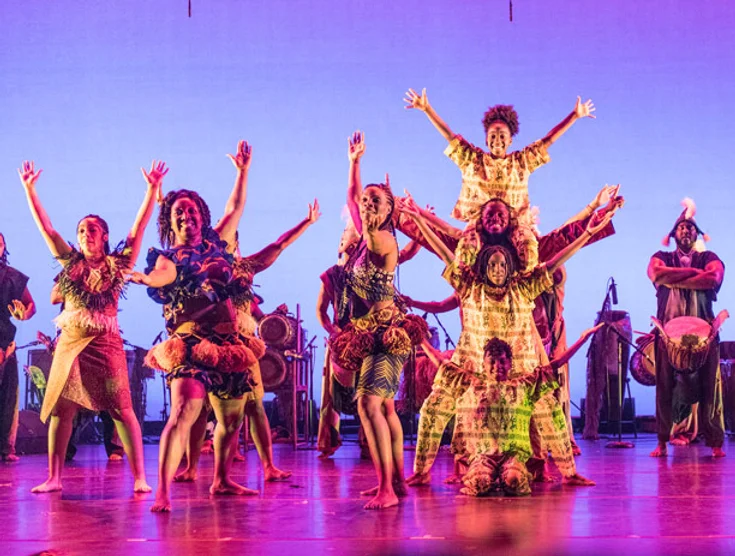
<point>32,433</point>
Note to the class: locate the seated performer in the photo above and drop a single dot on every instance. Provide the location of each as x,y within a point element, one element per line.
<point>495,302</point>
<point>379,337</point>
<point>687,281</point>
<point>496,173</point>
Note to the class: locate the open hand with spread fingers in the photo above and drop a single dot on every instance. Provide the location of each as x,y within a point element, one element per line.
<point>28,174</point>
<point>584,109</point>
<point>154,177</point>
<point>415,100</point>
<point>314,212</point>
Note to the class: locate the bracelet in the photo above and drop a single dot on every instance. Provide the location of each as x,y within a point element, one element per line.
<point>589,207</point>
<point>588,232</point>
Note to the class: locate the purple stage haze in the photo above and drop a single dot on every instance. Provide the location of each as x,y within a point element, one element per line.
<point>93,90</point>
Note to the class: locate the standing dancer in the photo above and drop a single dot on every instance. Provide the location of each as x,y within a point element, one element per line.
<point>496,173</point>
<point>15,302</point>
<point>245,269</point>
<point>380,336</point>
<point>687,282</point>
<point>89,368</point>
<point>204,356</point>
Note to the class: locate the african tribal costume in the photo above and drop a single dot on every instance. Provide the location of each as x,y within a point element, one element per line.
<point>204,341</point>
<point>89,366</point>
<point>12,285</point>
<point>375,342</point>
<point>502,413</point>
<point>485,177</point>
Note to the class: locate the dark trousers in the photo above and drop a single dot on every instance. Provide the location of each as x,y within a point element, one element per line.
<point>706,380</point>
<point>8,405</point>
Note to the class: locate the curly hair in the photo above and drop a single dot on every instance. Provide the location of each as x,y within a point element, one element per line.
<point>385,188</point>
<point>103,224</point>
<point>4,256</point>
<point>495,347</point>
<point>164,214</point>
<point>502,113</point>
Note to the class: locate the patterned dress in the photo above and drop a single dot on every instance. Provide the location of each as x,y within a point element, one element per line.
<point>204,341</point>
<point>485,177</point>
<point>89,366</point>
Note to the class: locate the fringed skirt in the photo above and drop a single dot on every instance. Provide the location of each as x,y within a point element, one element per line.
<point>217,356</point>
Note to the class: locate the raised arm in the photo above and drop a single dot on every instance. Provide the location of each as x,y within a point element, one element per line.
<point>595,224</point>
<point>439,247</point>
<point>355,150</point>
<point>604,197</point>
<point>581,110</point>
<point>56,244</point>
<point>268,255</point>
<point>409,251</point>
<point>23,308</point>
<point>227,225</point>
<point>154,179</point>
<point>444,306</point>
<point>434,355</point>
<point>421,102</point>
<point>163,274</point>
<point>564,358</point>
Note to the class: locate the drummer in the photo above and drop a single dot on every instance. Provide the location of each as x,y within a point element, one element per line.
<point>687,281</point>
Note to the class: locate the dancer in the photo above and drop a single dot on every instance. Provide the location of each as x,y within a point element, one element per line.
<point>245,269</point>
<point>15,302</point>
<point>505,411</point>
<point>687,281</point>
<point>379,337</point>
<point>89,368</point>
<point>496,173</point>
<point>494,302</point>
<point>204,356</point>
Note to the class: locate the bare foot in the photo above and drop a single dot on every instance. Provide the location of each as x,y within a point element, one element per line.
<point>453,479</point>
<point>399,488</point>
<point>384,500</point>
<point>327,454</point>
<point>659,452</point>
<point>679,441</point>
<point>51,485</point>
<point>273,474</point>
<point>239,457</point>
<point>718,453</point>
<point>162,503</point>
<point>578,480</point>
<point>419,479</point>
<point>229,487</point>
<point>10,458</point>
<point>115,457</point>
<point>186,476</point>
<point>576,450</point>
<point>141,486</point>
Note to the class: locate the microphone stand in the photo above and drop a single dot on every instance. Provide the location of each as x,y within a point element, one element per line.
<point>447,339</point>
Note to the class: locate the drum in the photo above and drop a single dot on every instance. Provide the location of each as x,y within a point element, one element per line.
<point>278,330</point>
<point>643,362</point>
<point>688,340</point>
<point>273,370</point>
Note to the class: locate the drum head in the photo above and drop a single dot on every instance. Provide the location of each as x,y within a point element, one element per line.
<point>273,370</point>
<point>277,330</point>
<point>678,327</point>
<point>642,365</point>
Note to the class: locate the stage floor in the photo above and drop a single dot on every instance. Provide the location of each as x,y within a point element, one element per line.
<point>684,504</point>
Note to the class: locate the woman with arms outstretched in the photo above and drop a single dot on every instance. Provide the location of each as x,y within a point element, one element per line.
<point>89,368</point>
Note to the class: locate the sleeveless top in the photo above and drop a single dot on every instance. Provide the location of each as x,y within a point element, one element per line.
<point>366,283</point>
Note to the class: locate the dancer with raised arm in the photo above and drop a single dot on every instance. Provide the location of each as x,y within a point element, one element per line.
<point>204,356</point>
<point>496,173</point>
<point>245,269</point>
<point>495,303</point>
<point>379,337</point>
<point>15,302</point>
<point>89,368</point>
